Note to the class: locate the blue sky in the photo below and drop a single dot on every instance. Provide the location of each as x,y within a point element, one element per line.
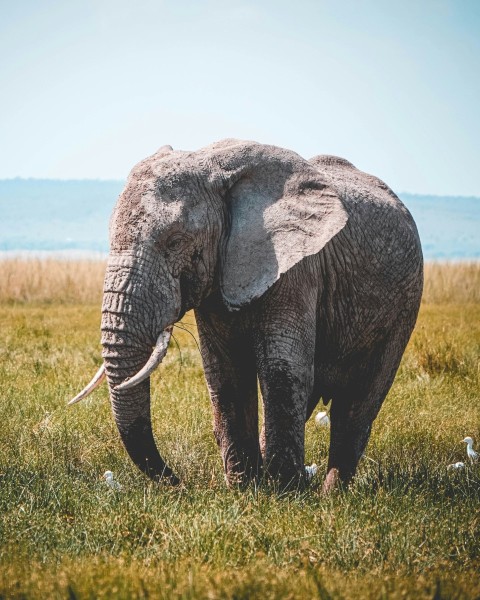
<point>90,87</point>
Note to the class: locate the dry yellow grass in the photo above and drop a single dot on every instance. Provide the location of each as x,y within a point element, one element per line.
<point>36,280</point>
<point>452,283</point>
<point>50,280</point>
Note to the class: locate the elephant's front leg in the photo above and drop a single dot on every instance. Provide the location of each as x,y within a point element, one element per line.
<point>285,357</point>
<point>232,382</point>
<point>284,394</point>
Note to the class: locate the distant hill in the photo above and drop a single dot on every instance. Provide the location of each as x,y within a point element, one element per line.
<point>52,215</point>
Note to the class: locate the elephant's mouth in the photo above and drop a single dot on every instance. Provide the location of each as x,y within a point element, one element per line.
<point>158,354</point>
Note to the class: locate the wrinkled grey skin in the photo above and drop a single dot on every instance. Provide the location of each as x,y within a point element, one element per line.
<point>307,275</point>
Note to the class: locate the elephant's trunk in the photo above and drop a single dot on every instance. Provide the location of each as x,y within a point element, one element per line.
<point>125,353</point>
<point>155,359</point>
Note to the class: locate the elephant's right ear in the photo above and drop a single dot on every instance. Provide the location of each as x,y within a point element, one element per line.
<point>279,215</point>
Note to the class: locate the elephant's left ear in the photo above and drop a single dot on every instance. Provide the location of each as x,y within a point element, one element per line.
<point>274,225</point>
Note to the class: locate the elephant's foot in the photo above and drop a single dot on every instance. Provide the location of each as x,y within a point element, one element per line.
<point>286,477</point>
<point>240,472</point>
<point>332,481</point>
<point>241,480</point>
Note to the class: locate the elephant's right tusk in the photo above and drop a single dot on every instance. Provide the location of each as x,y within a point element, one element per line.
<point>96,381</point>
<point>155,359</point>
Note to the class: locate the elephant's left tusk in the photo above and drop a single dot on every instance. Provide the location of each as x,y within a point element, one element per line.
<point>155,359</point>
<point>96,381</point>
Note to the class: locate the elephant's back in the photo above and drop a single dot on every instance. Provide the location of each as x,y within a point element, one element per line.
<point>357,189</point>
<point>372,271</point>
<point>378,220</point>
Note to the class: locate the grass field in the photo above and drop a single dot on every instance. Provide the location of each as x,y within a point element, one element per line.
<point>407,527</point>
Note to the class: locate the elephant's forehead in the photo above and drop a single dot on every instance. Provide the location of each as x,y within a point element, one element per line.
<point>139,211</point>
<point>161,209</point>
<point>152,211</point>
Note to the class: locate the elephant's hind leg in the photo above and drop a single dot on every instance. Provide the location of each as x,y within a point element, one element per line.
<point>351,422</point>
<point>355,408</point>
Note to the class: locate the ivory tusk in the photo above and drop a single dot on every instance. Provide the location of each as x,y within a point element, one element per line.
<point>155,359</point>
<point>96,381</point>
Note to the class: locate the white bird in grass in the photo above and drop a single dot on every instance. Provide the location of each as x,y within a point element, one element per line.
<point>310,471</point>
<point>322,419</point>
<point>456,466</point>
<point>108,476</point>
<point>472,455</point>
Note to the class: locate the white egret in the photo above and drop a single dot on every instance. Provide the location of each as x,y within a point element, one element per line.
<point>472,455</point>
<point>322,419</point>
<point>310,471</point>
<point>108,476</point>
<point>456,466</point>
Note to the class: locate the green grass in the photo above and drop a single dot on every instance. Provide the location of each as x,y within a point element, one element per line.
<point>407,527</point>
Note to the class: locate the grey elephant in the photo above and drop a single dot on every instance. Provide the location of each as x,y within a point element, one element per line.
<point>305,274</point>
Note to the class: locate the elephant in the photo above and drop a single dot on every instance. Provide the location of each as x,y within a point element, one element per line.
<point>305,274</point>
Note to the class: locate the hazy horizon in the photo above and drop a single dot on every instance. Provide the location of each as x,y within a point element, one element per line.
<point>72,216</point>
<point>123,181</point>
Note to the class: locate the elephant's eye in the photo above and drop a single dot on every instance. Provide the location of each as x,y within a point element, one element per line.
<point>175,242</point>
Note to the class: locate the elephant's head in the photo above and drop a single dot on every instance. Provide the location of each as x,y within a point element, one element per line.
<point>231,218</point>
